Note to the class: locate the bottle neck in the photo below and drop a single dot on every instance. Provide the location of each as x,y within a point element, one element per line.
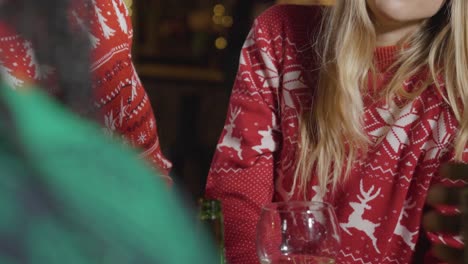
<point>210,209</point>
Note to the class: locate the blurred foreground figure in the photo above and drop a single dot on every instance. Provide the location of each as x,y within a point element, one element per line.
<point>446,196</point>
<point>68,195</point>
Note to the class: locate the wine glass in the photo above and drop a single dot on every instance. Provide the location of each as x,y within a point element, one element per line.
<point>298,233</point>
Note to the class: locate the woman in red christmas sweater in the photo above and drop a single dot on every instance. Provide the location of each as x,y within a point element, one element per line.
<point>357,104</point>
<point>119,98</point>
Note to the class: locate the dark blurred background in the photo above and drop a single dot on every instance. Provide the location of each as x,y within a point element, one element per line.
<point>187,53</point>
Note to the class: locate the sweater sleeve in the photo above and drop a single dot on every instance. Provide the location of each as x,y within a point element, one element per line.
<point>124,106</point>
<point>443,238</point>
<point>241,174</point>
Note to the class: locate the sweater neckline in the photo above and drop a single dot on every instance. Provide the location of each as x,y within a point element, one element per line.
<point>385,57</point>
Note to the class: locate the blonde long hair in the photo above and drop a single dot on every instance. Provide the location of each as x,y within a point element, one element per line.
<point>332,135</point>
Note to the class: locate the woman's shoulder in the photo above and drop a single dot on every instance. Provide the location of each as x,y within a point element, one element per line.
<point>290,20</point>
<point>284,58</point>
<point>286,12</point>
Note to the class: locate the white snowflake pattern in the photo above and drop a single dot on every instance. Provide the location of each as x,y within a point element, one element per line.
<point>395,125</point>
<point>142,138</point>
<point>268,76</point>
<point>292,81</point>
<point>440,139</point>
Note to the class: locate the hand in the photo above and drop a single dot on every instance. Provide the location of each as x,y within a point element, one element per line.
<point>457,224</point>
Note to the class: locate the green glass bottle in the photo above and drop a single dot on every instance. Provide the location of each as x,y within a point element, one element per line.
<point>211,216</point>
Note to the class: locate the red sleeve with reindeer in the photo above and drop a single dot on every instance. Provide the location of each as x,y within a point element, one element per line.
<point>122,104</point>
<point>241,175</point>
<point>380,207</point>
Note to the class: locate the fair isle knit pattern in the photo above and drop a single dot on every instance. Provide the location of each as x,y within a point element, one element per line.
<point>380,208</point>
<point>124,107</point>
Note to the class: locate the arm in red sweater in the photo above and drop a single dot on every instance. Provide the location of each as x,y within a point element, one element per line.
<point>241,175</point>
<point>452,177</point>
<point>125,108</point>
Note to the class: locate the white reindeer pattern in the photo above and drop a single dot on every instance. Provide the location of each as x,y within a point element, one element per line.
<point>267,141</point>
<point>229,140</point>
<point>402,230</point>
<point>356,221</point>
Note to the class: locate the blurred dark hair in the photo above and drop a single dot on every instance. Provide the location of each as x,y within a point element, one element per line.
<point>57,43</point>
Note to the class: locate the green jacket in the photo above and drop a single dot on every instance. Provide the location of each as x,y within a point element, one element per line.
<point>69,195</point>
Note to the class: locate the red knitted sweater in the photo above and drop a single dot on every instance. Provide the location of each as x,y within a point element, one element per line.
<point>255,159</point>
<point>124,107</point>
